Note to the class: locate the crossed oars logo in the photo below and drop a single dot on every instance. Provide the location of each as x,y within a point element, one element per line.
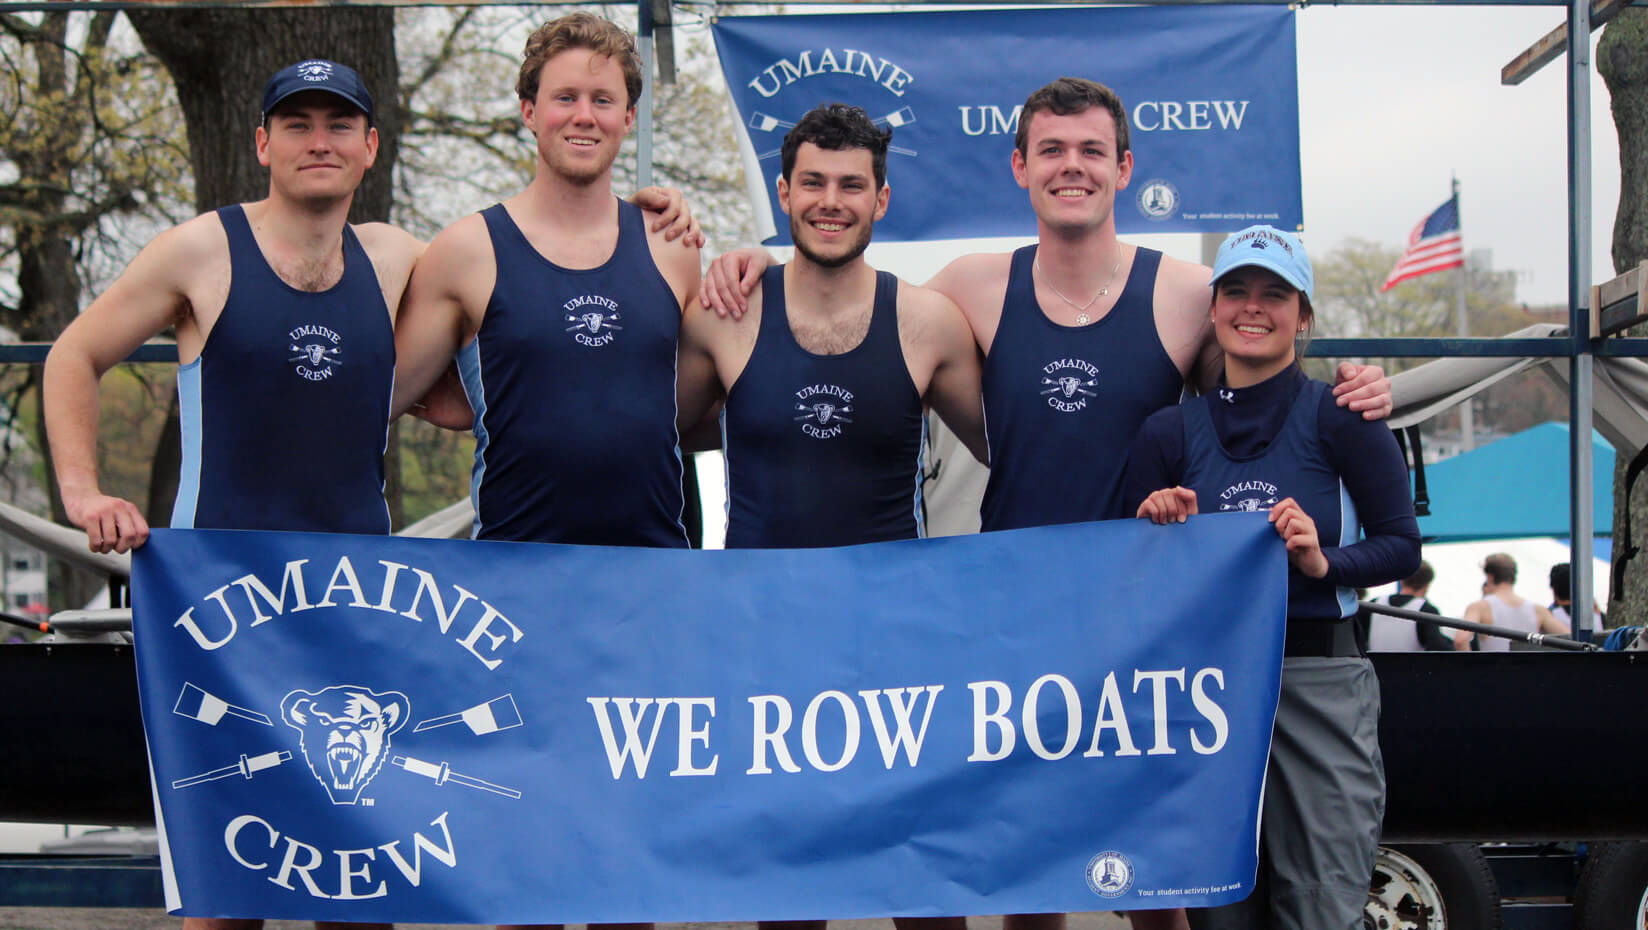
<point>494,716</point>
<point>900,117</point>
<point>1070,386</point>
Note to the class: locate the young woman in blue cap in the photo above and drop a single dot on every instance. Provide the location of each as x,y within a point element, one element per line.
<point>1270,439</point>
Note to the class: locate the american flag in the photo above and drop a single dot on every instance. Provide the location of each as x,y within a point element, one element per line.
<point>1434,245</point>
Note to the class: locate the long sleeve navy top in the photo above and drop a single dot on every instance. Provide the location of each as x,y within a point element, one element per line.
<point>1364,454</point>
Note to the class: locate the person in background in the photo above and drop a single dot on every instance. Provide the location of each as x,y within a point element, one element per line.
<point>1561,603</point>
<point>1502,607</point>
<point>1394,634</point>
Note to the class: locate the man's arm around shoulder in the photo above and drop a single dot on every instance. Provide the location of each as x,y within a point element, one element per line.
<point>939,332</point>
<point>977,284</point>
<point>444,300</point>
<point>712,352</point>
<point>393,252</point>
<point>678,262</point>
<point>1184,303</point>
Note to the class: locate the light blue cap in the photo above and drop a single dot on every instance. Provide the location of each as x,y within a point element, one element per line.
<point>1266,247</point>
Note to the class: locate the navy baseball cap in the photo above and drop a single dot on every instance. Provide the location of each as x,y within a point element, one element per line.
<point>1270,248</point>
<point>318,74</point>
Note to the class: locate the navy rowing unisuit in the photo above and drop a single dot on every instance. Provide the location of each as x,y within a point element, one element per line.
<point>286,412</point>
<point>823,450</point>
<point>1062,404</point>
<point>572,379</point>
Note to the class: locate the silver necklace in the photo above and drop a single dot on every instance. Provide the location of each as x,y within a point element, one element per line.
<point>1081,309</point>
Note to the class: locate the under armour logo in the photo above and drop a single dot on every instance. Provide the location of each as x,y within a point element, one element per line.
<point>1227,395</point>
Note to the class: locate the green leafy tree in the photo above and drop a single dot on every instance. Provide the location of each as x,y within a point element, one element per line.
<point>89,153</point>
<point>1350,302</point>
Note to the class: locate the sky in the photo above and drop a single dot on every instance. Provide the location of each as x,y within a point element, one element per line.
<point>1396,101</point>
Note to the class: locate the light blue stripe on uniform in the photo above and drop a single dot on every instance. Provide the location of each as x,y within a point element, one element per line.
<point>469,372</point>
<point>1350,529</point>
<point>681,465</point>
<point>388,417</point>
<point>921,473</point>
<point>726,467</point>
<point>189,418</point>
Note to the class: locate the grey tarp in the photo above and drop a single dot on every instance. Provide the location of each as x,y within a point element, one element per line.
<point>1619,385</point>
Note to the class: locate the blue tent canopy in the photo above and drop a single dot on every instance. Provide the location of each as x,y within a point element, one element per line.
<point>1517,486</point>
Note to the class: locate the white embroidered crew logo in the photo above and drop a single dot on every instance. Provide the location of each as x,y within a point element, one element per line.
<point>1069,383</point>
<point>592,320</point>
<point>316,351</point>
<point>1249,496</point>
<point>316,72</point>
<point>822,409</point>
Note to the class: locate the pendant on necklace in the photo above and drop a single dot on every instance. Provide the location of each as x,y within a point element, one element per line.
<point>1081,319</point>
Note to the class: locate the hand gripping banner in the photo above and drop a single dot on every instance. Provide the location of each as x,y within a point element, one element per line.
<point>1211,93</point>
<point>383,729</point>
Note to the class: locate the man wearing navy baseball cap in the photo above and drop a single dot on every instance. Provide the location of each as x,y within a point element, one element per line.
<point>284,315</point>
<point>318,75</point>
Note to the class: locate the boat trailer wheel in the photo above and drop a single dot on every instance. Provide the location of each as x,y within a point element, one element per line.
<point>1403,895</point>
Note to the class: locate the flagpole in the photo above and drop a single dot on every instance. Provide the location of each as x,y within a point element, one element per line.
<point>1467,420</point>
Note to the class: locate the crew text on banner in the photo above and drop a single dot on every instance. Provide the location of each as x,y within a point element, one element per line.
<point>1211,94</point>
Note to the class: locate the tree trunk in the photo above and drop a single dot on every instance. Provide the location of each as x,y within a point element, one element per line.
<point>220,59</point>
<point>1622,60</point>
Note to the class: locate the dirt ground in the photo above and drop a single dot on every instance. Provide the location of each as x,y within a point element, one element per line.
<point>71,918</point>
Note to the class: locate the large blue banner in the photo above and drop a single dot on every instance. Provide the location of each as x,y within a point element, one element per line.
<point>1211,94</point>
<point>384,729</point>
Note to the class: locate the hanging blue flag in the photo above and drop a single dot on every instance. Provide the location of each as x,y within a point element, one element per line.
<point>383,729</point>
<point>1211,94</point>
